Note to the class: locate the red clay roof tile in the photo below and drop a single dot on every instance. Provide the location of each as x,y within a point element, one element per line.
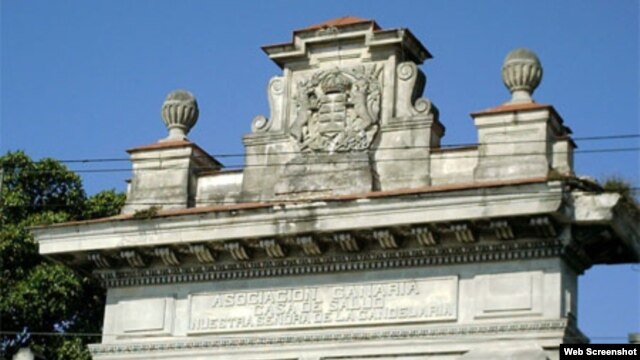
<point>162,145</point>
<point>512,107</point>
<point>504,108</point>
<point>175,144</point>
<point>341,21</point>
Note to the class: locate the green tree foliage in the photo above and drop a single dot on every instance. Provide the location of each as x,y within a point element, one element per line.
<point>37,295</point>
<point>621,186</point>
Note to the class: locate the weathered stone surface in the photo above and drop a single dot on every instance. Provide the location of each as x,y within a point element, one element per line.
<point>219,188</point>
<point>165,175</point>
<point>282,316</point>
<point>508,351</point>
<point>308,307</point>
<point>337,110</point>
<point>341,101</point>
<point>179,113</point>
<point>272,220</point>
<point>517,144</point>
<point>311,175</point>
<point>521,73</point>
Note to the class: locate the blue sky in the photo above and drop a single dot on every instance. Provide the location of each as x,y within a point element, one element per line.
<point>86,79</point>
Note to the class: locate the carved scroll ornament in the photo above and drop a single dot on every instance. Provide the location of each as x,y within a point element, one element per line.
<point>275,90</point>
<point>411,83</point>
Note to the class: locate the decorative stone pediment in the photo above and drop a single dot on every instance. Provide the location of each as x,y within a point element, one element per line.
<point>348,98</point>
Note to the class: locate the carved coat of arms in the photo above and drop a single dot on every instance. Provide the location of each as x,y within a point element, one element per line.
<point>338,110</point>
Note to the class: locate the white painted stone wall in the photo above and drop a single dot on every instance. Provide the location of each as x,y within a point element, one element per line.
<point>454,297</point>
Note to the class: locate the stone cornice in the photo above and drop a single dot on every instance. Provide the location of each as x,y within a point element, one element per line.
<point>372,260</point>
<point>282,220</point>
<point>366,33</point>
<point>566,328</point>
<point>420,229</point>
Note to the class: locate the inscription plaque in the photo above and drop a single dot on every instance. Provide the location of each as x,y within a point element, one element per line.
<point>371,303</point>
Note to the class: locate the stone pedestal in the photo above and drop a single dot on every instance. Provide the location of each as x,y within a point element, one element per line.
<point>325,174</point>
<point>522,140</point>
<point>165,175</point>
<point>265,156</point>
<point>403,156</point>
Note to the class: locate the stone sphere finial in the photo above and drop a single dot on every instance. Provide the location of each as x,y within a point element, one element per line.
<point>521,74</point>
<point>179,113</point>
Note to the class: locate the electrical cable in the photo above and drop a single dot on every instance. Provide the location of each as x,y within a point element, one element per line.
<point>442,147</point>
<point>318,161</point>
<point>500,197</point>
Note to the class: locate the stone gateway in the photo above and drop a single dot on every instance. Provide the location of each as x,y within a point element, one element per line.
<point>351,233</point>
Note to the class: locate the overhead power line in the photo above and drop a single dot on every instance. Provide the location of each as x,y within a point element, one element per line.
<point>506,196</point>
<point>328,161</point>
<point>448,146</point>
